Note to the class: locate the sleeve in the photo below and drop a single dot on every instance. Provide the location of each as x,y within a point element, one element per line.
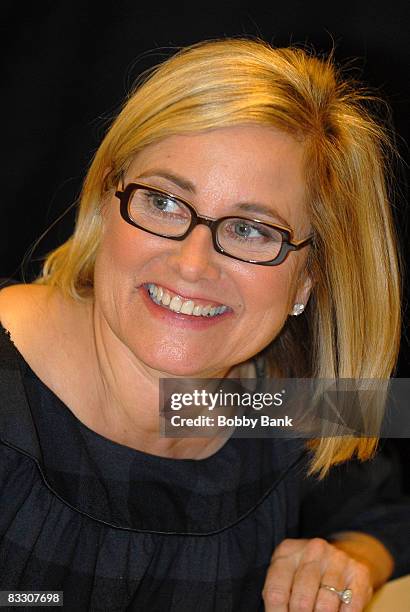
<point>362,496</point>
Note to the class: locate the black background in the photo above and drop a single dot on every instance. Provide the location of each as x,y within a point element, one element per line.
<point>67,65</point>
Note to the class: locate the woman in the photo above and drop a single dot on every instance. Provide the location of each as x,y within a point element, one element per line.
<point>278,149</point>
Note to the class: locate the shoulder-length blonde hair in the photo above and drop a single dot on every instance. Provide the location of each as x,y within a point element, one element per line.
<point>351,326</point>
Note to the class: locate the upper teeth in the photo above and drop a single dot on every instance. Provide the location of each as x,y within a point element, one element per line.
<point>177,304</point>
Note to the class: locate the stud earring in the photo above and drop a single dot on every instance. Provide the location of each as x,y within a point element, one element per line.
<point>297,309</point>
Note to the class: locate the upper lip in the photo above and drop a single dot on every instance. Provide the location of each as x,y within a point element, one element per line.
<point>182,295</point>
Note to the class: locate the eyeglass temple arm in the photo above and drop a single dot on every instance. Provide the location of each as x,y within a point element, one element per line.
<point>298,244</point>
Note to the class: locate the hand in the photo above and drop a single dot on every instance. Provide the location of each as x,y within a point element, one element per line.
<point>299,566</point>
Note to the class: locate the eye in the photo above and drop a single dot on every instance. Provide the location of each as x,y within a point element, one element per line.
<point>249,240</point>
<point>154,209</point>
<point>155,203</point>
<point>248,230</point>
<point>163,202</point>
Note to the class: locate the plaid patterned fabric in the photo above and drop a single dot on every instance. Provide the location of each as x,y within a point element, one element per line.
<point>119,529</point>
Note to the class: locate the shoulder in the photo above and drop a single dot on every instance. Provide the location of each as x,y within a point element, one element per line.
<point>38,318</point>
<point>23,307</point>
<point>19,295</point>
<point>50,331</point>
<point>24,311</point>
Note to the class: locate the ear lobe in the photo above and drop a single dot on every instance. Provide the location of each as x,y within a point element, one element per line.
<point>305,290</point>
<point>302,295</point>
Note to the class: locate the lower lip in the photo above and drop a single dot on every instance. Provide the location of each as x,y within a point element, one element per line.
<point>178,319</point>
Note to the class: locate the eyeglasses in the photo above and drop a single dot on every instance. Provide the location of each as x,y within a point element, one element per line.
<point>160,213</point>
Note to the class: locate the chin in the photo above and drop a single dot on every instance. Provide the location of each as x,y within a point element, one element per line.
<point>185,366</point>
<point>188,370</point>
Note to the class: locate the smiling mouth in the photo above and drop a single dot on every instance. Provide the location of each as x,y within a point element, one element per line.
<point>163,297</point>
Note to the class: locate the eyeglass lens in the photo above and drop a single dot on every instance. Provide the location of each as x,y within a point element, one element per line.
<point>168,216</point>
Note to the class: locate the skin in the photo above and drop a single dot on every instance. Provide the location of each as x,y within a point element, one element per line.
<point>114,350</point>
<point>266,168</point>
<point>133,347</point>
<point>298,567</point>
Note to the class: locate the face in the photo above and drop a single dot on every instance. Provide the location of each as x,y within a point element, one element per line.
<point>220,172</point>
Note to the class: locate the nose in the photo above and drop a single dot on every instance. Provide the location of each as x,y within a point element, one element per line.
<point>194,257</point>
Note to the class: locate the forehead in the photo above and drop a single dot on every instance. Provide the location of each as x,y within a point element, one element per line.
<point>229,165</point>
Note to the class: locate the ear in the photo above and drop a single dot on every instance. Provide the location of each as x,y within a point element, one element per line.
<point>304,288</point>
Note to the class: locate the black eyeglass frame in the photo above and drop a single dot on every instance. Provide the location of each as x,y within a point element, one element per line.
<point>288,243</point>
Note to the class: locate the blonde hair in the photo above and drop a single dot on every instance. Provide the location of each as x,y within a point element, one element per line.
<point>351,326</point>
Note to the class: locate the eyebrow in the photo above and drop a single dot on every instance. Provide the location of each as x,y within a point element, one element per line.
<point>183,183</point>
<point>186,185</point>
<point>264,210</point>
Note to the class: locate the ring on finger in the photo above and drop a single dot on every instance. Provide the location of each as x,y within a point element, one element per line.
<point>345,595</point>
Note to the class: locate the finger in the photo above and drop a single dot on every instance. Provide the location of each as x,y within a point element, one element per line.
<point>305,585</point>
<point>359,582</point>
<point>291,547</point>
<point>278,584</point>
<point>335,575</point>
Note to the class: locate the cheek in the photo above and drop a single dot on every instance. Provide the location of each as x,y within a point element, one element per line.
<point>122,249</point>
<point>271,291</point>
<point>267,294</point>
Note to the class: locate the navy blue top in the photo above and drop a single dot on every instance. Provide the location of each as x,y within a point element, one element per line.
<point>119,529</point>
